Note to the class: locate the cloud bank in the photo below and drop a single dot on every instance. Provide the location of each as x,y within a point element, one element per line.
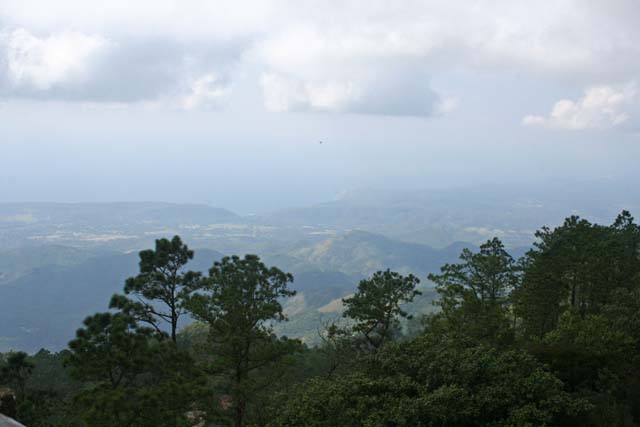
<point>373,57</point>
<point>74,66</point>
<point>601,107</point>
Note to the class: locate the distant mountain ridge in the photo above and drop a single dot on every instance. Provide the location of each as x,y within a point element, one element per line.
<point>111,212</point>
<point>62,261</point>
<point>435,217</point>
<point>439,217</point>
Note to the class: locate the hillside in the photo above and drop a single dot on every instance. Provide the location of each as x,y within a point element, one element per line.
<point>45,307</point>
<point>360,254</point>
<point>62,291</point>
<point>17,262</point>
<point>440,217</point>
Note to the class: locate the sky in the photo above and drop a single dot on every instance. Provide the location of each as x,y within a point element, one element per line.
<point>225,102</point>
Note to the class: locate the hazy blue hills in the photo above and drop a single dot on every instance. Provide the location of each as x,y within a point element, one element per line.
<point>439,217</point>
<point>433,217</point>
<point>20,261</point>
<point>60,262</point>
<point>128,213</point>
<point>45,306</point>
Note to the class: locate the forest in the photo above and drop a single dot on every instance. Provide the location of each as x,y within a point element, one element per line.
<point>550,339</point>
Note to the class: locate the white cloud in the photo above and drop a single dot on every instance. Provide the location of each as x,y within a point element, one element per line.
<point>39,63</point>
<point>447,105</point>
<point>349,56</point>
<point>282,94</point>
<point>371,56</point>
<point>206,92</point>
<point>396,93</point>
<point>73,66</point>
<point>601,107</point>
<point>185,20</point>
<point>362,71</point>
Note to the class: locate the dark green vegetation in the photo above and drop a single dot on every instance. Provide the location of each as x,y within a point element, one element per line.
<point>551,339</point>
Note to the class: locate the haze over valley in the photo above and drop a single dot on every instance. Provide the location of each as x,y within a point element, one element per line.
<point>53,251</point>
<point>319,213</point>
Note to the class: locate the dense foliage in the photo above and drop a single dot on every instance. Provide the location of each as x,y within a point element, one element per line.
<point>552,339</point>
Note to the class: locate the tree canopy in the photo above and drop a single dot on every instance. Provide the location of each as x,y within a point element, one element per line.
<point>552,339</point>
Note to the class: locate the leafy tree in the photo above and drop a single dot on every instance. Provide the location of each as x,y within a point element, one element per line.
<point>162,286</point>
<point>110,349</point>
<point>558,273</point>
<point>50,373</point>
<point>623,316</point>
<point>575,299</point>
<point>8,402</point>
<point>474,294</point>
<point>376,306</point>
<point>131,377</point>
<point>37,404</point>
<point>240,302</point>
<point>624,252</point>
<point>339,348</point>
<point>426,382</point>
<point>578,307</point>
<point>576,266</point>
<point>597,356</point>
<point>15,372</point>
<point>47,392</point>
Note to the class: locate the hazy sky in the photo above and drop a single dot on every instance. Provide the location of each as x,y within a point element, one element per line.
<point>224,102</point>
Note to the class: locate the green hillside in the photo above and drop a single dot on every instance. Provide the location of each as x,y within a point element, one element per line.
<point>360,254</point>
<point>20,261</point>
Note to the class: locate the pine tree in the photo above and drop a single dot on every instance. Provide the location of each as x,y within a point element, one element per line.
<point>157,295</point>
<point>240,301</point>
<point>376,306</point>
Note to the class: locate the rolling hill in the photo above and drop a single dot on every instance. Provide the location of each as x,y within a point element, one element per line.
<point>17,262</point>
<point>45,305</point>
<point>359,254</point>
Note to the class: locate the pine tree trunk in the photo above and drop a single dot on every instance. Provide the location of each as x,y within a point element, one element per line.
<point>239,415</point>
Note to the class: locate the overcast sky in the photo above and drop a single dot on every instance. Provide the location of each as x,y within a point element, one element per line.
<point>225,102</point>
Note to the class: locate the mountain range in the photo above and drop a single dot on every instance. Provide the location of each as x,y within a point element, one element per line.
<point>44,306</point>
<point>60,262</point>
